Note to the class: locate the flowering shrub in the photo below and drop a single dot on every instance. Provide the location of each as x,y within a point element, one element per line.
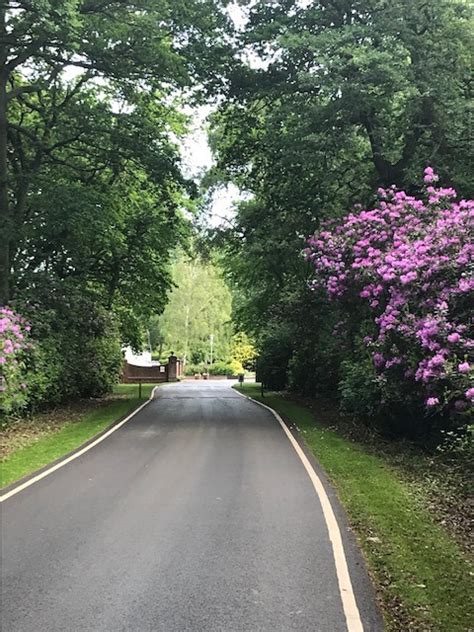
<point>409,262</point>
<point>14,346</point>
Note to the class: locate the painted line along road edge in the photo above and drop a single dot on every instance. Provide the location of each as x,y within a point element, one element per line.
<point>75,455</point>
<point>351,611</point>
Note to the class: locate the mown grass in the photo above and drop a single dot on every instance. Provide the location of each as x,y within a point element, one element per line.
<point>422,578</point>
<point>45,449</point>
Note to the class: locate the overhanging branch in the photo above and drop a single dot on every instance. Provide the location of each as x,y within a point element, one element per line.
<point>16,92</point>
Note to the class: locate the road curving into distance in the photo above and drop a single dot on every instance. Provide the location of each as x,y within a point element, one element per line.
<point>198,514</point>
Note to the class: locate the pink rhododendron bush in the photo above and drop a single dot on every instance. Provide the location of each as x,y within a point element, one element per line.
<point>14,348</point>
<point>403,271</point>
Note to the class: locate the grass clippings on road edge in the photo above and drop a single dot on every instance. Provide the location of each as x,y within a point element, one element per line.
<point>423,580</point>
<point>52,440</point>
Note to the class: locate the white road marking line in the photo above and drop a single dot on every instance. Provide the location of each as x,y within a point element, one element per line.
<point>351,611</point>
<point>76,455</point>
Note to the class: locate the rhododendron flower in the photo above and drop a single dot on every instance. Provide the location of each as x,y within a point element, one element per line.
<point>378,359</point>
<point>470,394</point>
<point>430,175</point>
<point>409,261</point>
<point>393,362</point>
<point>437,360</point>
<point>432,401</point>
<point>13,346</point>
<point>465,285</point>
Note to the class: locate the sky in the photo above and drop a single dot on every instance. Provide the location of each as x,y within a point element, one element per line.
<point>197,158</point>
<point>195,151</point>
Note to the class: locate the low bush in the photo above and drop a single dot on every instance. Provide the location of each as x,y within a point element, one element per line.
<point>226,368</point>
<point>50,355</point>
<point>14,350</point>
<point>194,369</point>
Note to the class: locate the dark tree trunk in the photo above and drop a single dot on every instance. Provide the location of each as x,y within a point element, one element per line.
<point>5,218</point>
<point>387,173</point>
<point>393,173</point>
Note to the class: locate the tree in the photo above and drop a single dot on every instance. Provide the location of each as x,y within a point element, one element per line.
<point>348,95</point>
<point>116,206</point>
<point>92,196</point>
<point>199,308</point>
<point>122,48</point>
<point>243,351</point>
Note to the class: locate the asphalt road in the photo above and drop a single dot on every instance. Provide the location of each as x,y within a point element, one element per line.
<point>196,515</point>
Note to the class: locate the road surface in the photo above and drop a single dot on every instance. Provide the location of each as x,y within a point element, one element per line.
<point>196,515</point>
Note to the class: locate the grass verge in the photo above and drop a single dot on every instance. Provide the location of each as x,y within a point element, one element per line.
<point>423,580</point>
<point>39,450</point>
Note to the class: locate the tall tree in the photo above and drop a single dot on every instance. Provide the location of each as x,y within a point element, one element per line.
<point>348,95</point>
<point>198,314</point>
<point>122,47</point>
<point>333,99</point>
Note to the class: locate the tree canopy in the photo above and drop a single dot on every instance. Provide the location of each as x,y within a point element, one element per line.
<point>316,106</point>
<point>93,202</point>
<point>332,100</point>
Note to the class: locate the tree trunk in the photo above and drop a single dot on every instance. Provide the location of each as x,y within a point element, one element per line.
<point>387,174</point>
<point>5,218</point>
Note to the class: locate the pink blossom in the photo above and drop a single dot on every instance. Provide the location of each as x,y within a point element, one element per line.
<point>432,401</point>
<point>437,360</point>
<point>430,175</point>
<point>408,260</point>
<point>378,360</point>
<point>465,285</point>
<point>464,367</point>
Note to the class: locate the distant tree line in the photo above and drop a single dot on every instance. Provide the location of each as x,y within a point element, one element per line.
<point>196,323</point>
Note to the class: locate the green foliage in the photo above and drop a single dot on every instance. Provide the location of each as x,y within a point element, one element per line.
<point>359,388</point>
<point>350,96</point>
<point>110,218</point>
<point>195,369</point>
<point>77,349</point>
<point>91,190</point>
<point>243,351</point>
<point>220,368</point>
<point>275,353</point>
<point>319,345</point>
<point>226,368</point>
